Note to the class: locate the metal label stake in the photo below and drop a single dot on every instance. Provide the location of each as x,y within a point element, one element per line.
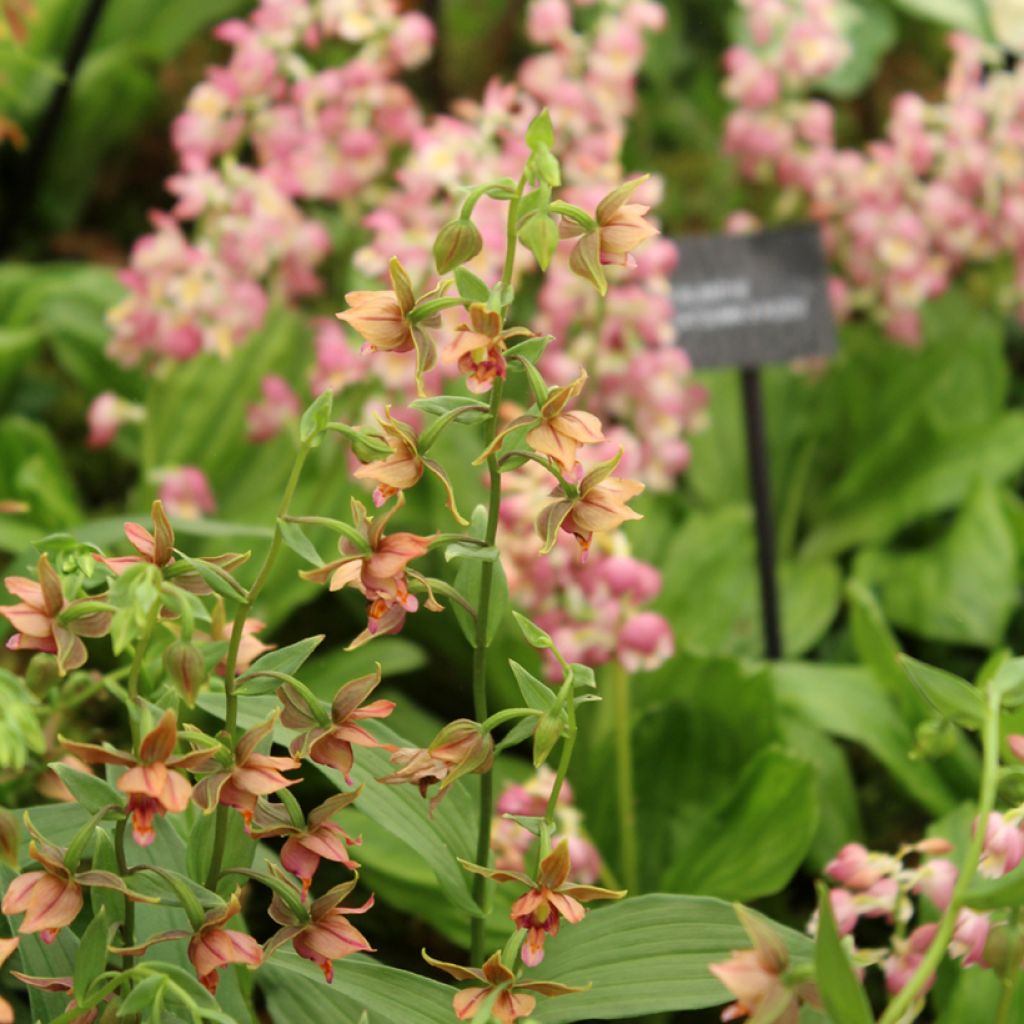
<point>743,301</point>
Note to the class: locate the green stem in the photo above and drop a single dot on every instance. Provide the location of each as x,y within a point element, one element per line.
<point>128,924</point>
<point>478,925</point>
<point>231,660</point>
<point>1009,979</point>
<point>136,670</point>
<point>628,851</point>
<point>508,715</point>
<point>568,745</point>
<point>947,925</point>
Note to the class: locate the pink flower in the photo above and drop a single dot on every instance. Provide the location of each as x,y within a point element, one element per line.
<point>328,936</point>
<point>970,936</point>
<point>859,868</point>
<point>154,781</point>
<point>249,777</point>
<point>551,897</point>
<point>107,413</point>
<point>511,1004</point>
<point>755,977</point>
<point>645,642</point>
<point>936,880</point>
<point>412,40</point>
<point>185,492</point>
<point>901,966</point>
<point>213,947</point>
<point>279,406</point>
<point>331,743</point>
<point>44,620</point>
<point>1004,846</point>
<point>319,838</point>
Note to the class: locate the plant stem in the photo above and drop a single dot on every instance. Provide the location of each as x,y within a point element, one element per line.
<point>986,802</point>
<point>1012,970</point>
<point>483,614</point>
<point>128,925</point>
<point>136,670</point>
<point>231,659</point>
<point>625,789</point>
<point>568,745</point>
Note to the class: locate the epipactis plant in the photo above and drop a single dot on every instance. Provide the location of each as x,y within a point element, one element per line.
<point>183,631</point>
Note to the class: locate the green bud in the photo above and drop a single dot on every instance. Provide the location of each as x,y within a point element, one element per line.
<point>585,261</point>
<point>185,665</point>
<point>539,234</point>
<point>548,732</point>
<point>457,243</point>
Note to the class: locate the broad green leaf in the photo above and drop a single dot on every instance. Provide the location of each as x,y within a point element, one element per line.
<point>995,893</point>
<point>296,990</point>
<point>959,589</point>
<point>849,703</point>
<point>89,791</point>
<point>92,953</point>
<point>646,955</point>
<point>752,844</point>
<point>954,698</point>
<point>841,992</point>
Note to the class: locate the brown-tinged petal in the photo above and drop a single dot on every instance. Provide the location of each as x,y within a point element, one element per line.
<point>158,744</point>
<point>457,971</point>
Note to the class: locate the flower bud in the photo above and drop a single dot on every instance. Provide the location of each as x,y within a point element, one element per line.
<point>458,242</point>
<point>545,736</point>
<point>540,235</point>
<point>465,747</point>
<point>585,261</point>
<point>185,665</point>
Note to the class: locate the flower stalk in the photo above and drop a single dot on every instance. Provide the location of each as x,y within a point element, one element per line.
<point>898,1007</point>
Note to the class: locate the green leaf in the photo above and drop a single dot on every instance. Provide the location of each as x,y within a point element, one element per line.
<point>89,791</point>
<point>646,955</point>
<point>529,350</point>
<point>959,589</point>
<point>472,551</point>
<point>849,703</point>
<point>844,998</point>
<point>142,996</point>
<point>540,132</point>
<point>294,538</point>
<point>296,990</point>
<point>470,287</point>
<point>440,405</point>
<point>961,14</point>
<point>92,953</point>
<point>217,579</point>
<point>951,696</point>
<point>315,419</point>
<point>751,845</point>
<point>535,693</point>
<point>534,635</point>
<point>871,30</point>
<point>286,659</point>
<point>469,583</point>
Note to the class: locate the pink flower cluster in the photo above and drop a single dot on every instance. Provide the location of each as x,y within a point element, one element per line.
<point>314,135</point>
<point>901,216</point>
<point>511,841</point>
<point>880,885</point>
